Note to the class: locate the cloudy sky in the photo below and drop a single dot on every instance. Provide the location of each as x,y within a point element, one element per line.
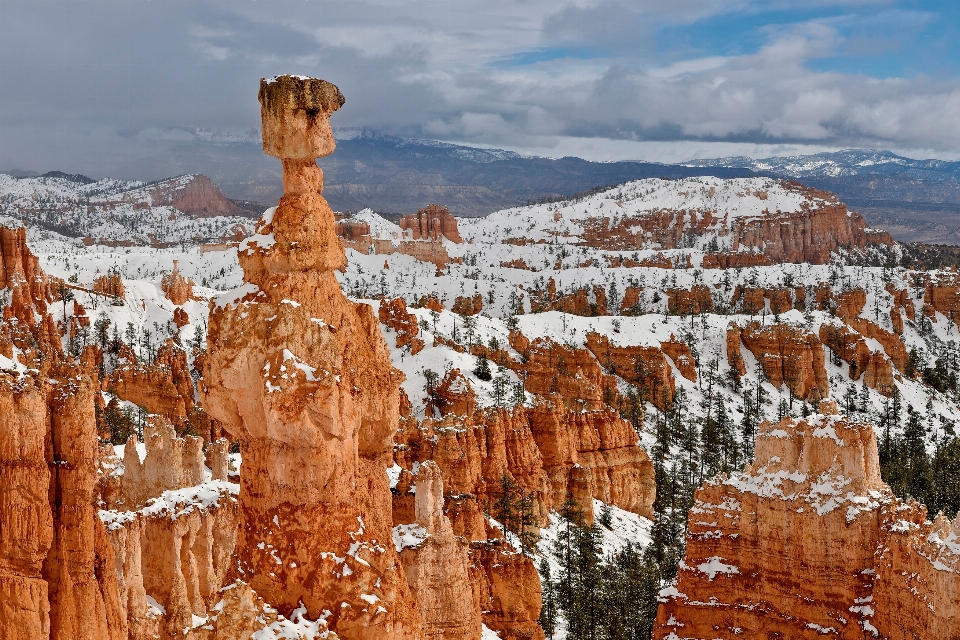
<point>86,84</point>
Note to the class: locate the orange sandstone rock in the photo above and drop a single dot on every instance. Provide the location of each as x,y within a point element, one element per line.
<point>468,305</point>
<point>175,287</point>
<point>79,568</point>
<point>646,367</point>
<point>393,314</point>
<point>808,542</point>
<point>438,567</point>
<point>585,301</point>
<point>734,355</point>
<point>302,378</point>
<point>682,357</point>
<point>26,518</point>
<point>508,588</point>
<point>164,388</point>
<point>110,284</point>
<point>433,222</point>
<point>697,300</point>
<point>56,566</point>
<point>453,396</point>
<point>788,356</point>
<point>430,302</point>
<point>180,318</point>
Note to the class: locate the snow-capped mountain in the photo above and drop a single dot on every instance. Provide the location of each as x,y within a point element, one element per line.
<point>846,163</point>
<point>186,208</point>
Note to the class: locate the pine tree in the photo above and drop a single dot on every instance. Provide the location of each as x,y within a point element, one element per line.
<point>917,463</point>
<point>519,397</point>
<point>730,451</point>
<point>548,610</point>
<point>580,585</point>
<point>712,447</point>
<point>482,368</point>
<point>516,512</point>
<point>500,384</point>
<point>864,398</point>
<point>751,419</point>
<point>630,594</point>
<point>946,478</point>
<point>606,517</point>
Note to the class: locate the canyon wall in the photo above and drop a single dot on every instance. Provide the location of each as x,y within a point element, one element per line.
<point>56,576</point>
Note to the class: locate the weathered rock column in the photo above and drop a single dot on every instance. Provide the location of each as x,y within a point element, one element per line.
<point>26,523</point>
<point>302,378</point>
<point>438,569</point>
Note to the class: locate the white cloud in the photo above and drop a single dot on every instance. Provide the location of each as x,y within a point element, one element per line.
<point>463,73</point>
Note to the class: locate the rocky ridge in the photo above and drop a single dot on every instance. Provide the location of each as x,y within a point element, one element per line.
<point>125,213</point>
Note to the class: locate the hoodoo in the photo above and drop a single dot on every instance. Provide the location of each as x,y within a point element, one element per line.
<point>809,542</point>
<point>302,378</point>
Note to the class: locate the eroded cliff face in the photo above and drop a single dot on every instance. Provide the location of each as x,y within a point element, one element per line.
<point>788,355</point>
<point>808,233</point>
<point>808,541</point>
<point>164,387</point>
<point>301,377</point>
<point>437,565</point>
<point>26,515</point>
<point>433,222</point>
<point>56,575</point>
<point>172,527</point>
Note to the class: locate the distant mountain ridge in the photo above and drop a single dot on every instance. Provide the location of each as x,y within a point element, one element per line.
<point>188,208</point>
<point>846,163</point>
<point>398,175</point>
<point>915,200</point>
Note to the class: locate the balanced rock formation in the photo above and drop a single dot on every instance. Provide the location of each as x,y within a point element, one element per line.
<point>809,542</point>
<point>302,378</point>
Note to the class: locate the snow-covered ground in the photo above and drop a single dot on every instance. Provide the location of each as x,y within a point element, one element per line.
<point>112,211</point>
<point>505,290</point>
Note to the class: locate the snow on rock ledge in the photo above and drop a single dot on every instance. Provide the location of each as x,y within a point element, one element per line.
<point>809,538</point>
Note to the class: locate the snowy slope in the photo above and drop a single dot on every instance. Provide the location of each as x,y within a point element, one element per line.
<point>109,211</point>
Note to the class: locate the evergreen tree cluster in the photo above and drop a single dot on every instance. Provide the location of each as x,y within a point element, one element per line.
<point>516,511</point>
<point>598,597</point>
<point>908,465</point>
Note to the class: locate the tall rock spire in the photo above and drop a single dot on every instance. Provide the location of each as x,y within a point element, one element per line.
<point>302,378</point>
